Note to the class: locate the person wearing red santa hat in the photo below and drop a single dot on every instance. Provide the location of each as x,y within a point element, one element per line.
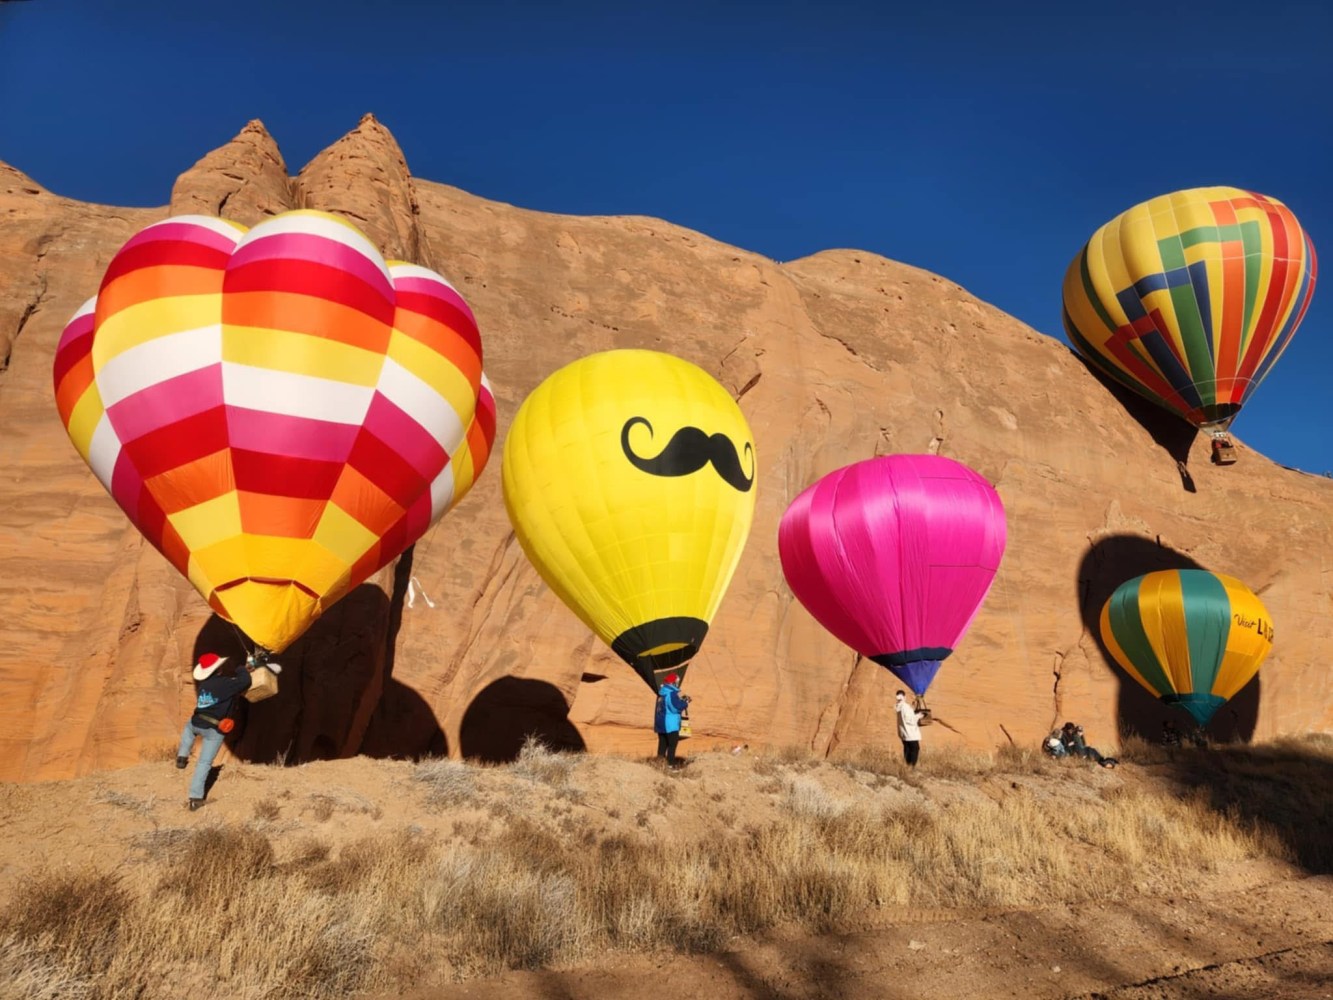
<point>219,685</point>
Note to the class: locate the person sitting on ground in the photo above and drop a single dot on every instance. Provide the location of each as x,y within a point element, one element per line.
<point>1053,745</point>
<point>1072,738</point>
<point>219,686</point>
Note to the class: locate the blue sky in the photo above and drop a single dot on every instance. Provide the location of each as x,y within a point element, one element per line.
<point>981,141</point>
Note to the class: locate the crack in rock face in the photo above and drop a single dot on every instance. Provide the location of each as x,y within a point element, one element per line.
<point>8,343</point>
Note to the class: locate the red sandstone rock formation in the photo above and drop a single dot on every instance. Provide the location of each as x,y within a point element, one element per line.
<point>459,647</point>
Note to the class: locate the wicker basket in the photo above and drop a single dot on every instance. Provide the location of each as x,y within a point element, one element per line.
<point>263,684</point>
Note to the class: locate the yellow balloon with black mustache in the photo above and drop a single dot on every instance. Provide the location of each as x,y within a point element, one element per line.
<point>629,477</point>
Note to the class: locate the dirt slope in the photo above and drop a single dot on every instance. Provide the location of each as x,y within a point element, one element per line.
<point>1040,925</point>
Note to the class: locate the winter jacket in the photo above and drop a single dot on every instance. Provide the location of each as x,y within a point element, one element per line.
<point>908,717</point>
<point>216,696</point>
<point>670,703</point>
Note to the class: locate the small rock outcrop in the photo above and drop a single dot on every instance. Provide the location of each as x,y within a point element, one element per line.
<point>365,177</point>
<point>245,180</point>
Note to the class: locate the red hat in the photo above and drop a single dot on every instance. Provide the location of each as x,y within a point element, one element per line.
<point>671,679</point>
<point>207,665</point>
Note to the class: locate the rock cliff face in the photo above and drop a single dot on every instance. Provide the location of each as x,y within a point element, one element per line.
<point>460,648</point>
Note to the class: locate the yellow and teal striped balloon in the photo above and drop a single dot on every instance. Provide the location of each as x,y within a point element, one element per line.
<point>1191,637</point>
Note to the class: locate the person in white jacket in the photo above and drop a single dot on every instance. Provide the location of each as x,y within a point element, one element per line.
<point>909,729</point>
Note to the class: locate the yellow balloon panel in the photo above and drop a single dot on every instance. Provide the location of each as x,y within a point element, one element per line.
<point>629,477</point>
<point>1249,641</point>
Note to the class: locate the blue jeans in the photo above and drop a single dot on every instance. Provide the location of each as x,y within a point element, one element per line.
<point>208,750</point>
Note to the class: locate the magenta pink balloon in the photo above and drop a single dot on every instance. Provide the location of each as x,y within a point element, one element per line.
<point>894,556</point>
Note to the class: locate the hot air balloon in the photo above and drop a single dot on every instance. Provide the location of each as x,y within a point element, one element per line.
<point>1191,637</point>
<point>1189,300</point>
<point>894,556</point>
<point>280,411</point>
<point>629,477</point>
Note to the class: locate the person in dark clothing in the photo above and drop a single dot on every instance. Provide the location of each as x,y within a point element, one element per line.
<point>219,686</point>
<point>666,719</point>
<point>1170,734</point>
<point>1072,737</point>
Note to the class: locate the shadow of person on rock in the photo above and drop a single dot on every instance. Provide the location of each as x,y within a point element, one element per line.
<point>1104,567</point>
<point>507,711</point>
<point>336,693</point>
<point>1172,433</point>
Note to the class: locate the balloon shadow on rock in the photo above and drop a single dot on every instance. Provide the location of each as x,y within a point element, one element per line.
<point>1104,567</point>
<point>1172,433</point>
<point>1285,786</point>
<point>507,711</point>
<point>403,724</point>
<point>336,694</point>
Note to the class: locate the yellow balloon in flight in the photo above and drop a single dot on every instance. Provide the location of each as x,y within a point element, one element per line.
<point>629,478</point>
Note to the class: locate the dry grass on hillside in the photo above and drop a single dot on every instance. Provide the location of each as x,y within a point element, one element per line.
<point>222,915</point>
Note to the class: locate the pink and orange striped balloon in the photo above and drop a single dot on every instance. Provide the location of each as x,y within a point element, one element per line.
<point>280,411</point>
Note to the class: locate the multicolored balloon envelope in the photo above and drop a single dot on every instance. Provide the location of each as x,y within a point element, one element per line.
<point>280,411</point>
<point>894,556</point>
<point>629,477</point>
<point>1189,299</point>
<point>1191,637</point>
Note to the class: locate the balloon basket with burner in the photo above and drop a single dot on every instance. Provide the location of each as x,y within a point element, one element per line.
<point>263,684</point>
<point>1224,450</point>
<point>919,706</point>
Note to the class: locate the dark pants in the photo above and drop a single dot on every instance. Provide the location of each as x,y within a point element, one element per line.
<point>911,751</point>
<point>666,746</point>
<point>1082,749</point>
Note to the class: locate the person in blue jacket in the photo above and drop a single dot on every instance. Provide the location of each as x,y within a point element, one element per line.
<point>219,686</point>
<point>666,720</point>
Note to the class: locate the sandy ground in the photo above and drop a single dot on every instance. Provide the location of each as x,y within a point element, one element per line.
<point>1250,930</point>
<point>1265,941</point>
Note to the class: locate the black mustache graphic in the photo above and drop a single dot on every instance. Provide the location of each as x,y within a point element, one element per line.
<point>689,450</point>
